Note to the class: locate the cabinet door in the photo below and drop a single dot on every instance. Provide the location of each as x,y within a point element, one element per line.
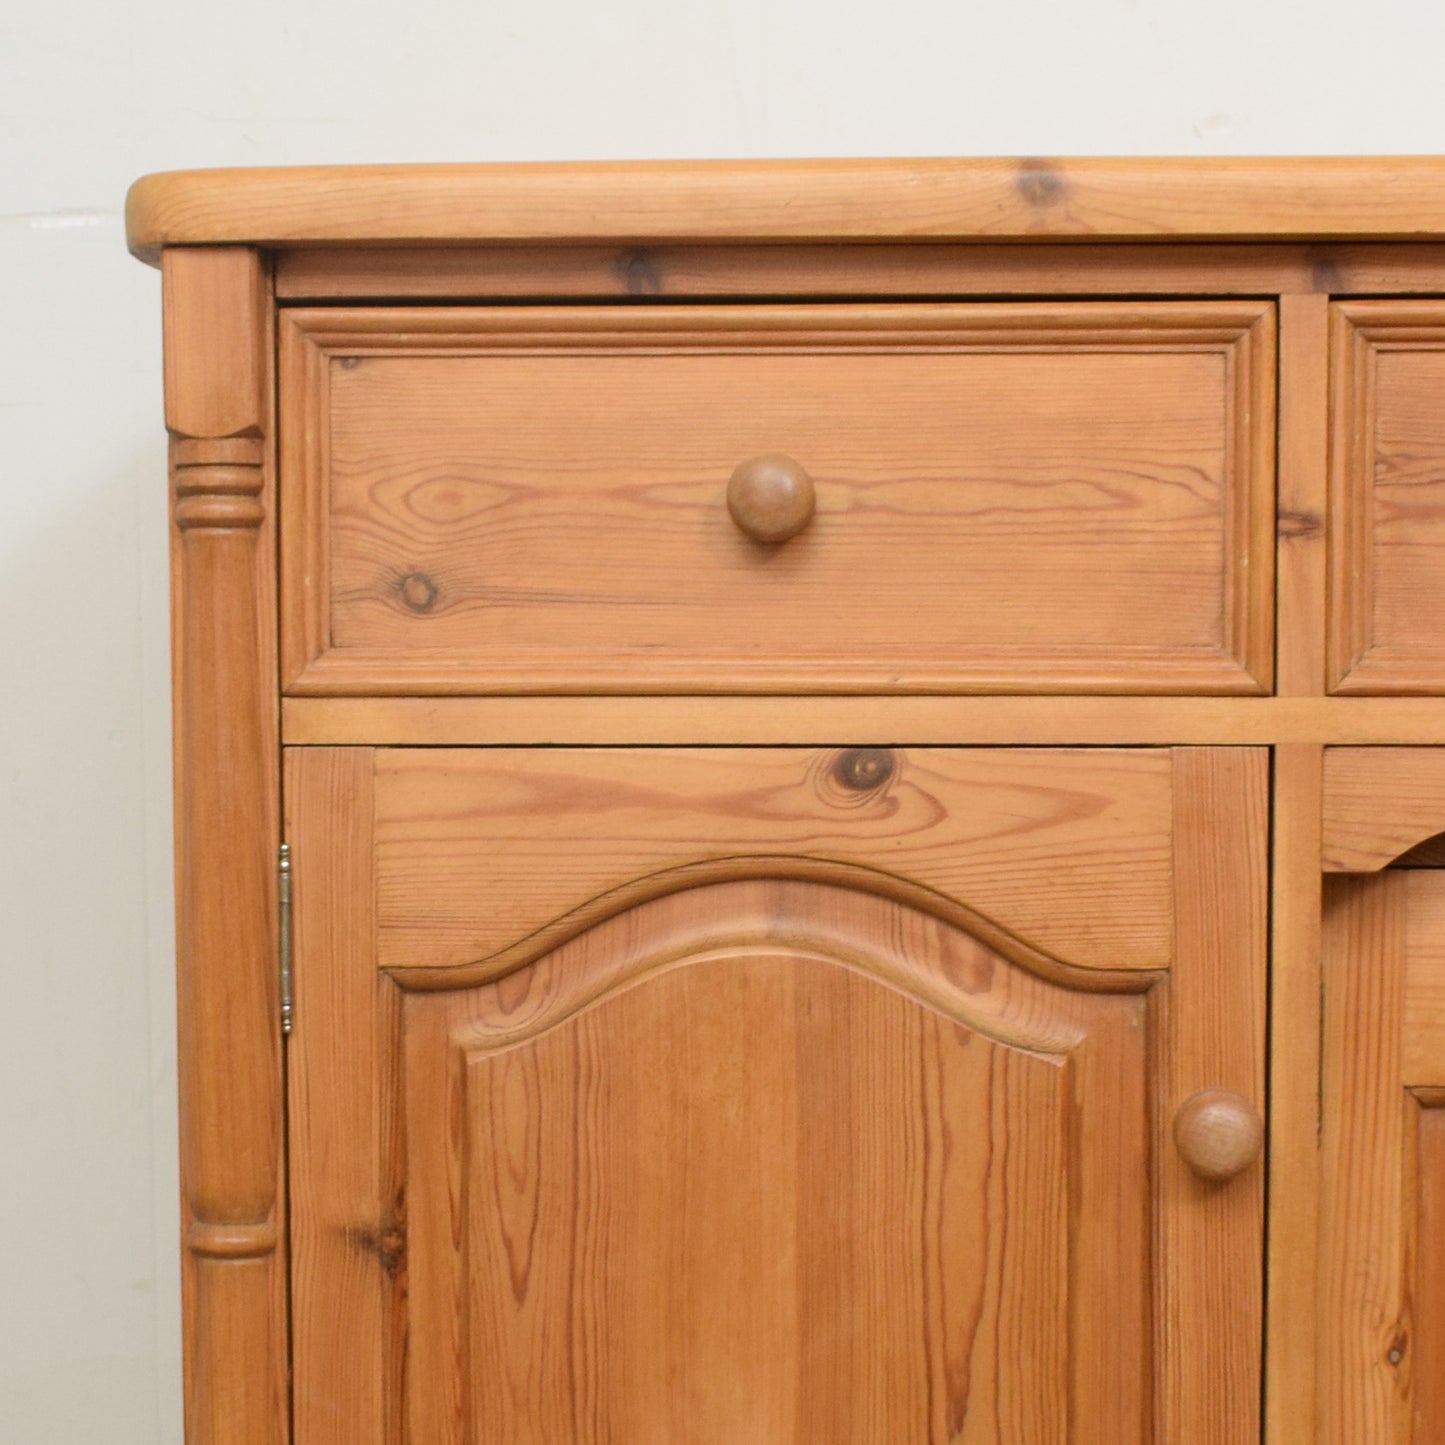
<point>1382,1226</point>
<point>774,1095</point>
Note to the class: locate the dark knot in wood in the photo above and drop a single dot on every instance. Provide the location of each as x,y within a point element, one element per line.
<point>1039,183</point>
<point>418,591</point>
<point>861,769</point>
<point>639,273</point>
<point>386,1243</point>
<point>1300,524</point>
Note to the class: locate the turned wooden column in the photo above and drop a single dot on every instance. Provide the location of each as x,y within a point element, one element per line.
<point>218,410</point>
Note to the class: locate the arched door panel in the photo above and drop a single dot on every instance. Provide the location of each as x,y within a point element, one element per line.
<point>775,1158</point>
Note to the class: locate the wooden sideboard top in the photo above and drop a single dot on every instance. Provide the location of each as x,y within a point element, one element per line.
<point>1235,198</point>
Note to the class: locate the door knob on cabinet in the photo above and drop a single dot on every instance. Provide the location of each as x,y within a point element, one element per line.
<point>771,497</point>
<point>1219,1133</point>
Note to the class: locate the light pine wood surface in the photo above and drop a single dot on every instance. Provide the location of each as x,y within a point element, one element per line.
<point>488,503</point>
<point>836,200</point>
<point>1293,1321</point>
<point>345,1225</point>
<point>1364,1221</point>
<point>1363,833</point>
<point>1066,851</point>
<point>1428,1180</point>
<point>1208,1251</point>
<point>999,721</point>
<point>649,1192</point>
<point>1383,1288</point>
<point>1301,495</point>
<point>772,990</point>
<point>797,269</point>
<point>1422,1006</point>
<point>218,387</point>
<point>1387,610</point>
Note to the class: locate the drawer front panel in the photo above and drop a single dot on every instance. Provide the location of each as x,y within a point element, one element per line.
<point>1387,504</point>
<point>1036,498</point>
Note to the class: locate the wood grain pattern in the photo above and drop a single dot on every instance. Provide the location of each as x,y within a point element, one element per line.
<point>344,1235</point>
<point>224,657</point>
<point>1429,1284</point>
<point>1303,490</point>
<point>853,200</point>
<point>1383,1280</point>
<point>695,1040</point>
<point>1069,851</point>
<point>1380,803</point>
<point>1350,599</point>
<point>1364,1218</point>
<point>1422,1021</point>
<point>686,1213</point>
<point>1211,1242</point>
<point>1291,1332</point>
<point>650,1190</point>
<point>1082,494</point>
<point>878,721</point>
<point>1382,1283</point>
<point>1386,610</point>
<point>700,272</point>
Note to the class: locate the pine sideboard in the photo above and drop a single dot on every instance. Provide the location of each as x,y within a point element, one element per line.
<point>810,800</point>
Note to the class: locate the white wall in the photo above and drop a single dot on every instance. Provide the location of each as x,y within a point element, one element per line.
<point>92,95</point>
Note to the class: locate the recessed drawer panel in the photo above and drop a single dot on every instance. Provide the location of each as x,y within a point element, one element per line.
<point>1387,499</point>
<point>991,497</point>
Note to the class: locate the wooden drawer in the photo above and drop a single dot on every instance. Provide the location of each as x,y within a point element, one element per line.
<point>1044,497</point>
<point>1387,500</point>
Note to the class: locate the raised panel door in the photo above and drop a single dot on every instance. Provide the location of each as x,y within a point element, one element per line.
<point>694,1095</point>
<point>1382,1197</point>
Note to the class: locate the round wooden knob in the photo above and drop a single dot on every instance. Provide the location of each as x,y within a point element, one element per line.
<point>1219,1133</point>
<point>771,497</point>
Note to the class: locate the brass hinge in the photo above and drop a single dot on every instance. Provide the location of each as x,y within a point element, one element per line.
<point>283,898</point>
